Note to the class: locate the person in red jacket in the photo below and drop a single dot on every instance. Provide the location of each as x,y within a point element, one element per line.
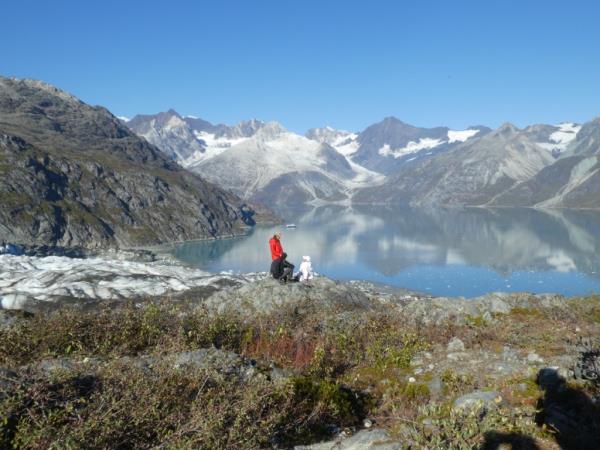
<point>275,245</point>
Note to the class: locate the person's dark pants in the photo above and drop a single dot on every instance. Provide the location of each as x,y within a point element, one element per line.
<point>288,273</point>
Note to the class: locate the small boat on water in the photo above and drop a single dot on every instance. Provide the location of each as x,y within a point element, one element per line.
<point>291,225</point>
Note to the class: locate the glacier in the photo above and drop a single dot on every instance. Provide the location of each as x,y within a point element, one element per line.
<point>29,279</point>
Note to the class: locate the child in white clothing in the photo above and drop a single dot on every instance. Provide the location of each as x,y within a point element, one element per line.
<point>306,271</point>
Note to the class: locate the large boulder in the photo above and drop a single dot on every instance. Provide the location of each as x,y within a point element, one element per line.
<point>268,295</point>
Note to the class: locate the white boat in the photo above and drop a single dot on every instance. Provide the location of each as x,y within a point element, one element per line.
<point>291,225</point>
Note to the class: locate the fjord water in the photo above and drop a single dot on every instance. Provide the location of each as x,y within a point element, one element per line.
<point>465,252</point>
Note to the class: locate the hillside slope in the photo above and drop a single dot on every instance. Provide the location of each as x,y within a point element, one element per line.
<point>74,175</point>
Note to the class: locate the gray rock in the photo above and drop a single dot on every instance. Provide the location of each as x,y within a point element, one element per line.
<point>269,295</point>
<point>437,310</point>
<point>373,439</point>
<point>458,356</point>
<point>509,354</point>
<point>455,345</point>
<point>7,380</point>
<point>50,366</point>
<point>548,188</point>
<point>6,319</point>
<point>416,362</point>
<point>435,387</point>
<point>534,358</point>
<point>477,402</point>
<point>228,362</point>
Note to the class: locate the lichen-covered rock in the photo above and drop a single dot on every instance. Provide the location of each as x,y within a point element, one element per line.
<point>268,295</point>
<point>435,310</point>
<point>6,319</point>
<point>374,439</point>
<point>455,345</point>
<point>477,402</point>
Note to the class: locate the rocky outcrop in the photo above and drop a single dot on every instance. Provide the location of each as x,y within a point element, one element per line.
<point>74,175</point>
<point>376,439</point>
<point>268,295</point>
<point>435,310</point>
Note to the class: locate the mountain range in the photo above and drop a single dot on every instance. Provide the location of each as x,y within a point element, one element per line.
<point>255,160</point>
<point>390,162</point>
<point>72,175</point>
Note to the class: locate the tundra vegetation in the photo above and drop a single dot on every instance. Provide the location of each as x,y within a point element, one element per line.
<point>178,375</point>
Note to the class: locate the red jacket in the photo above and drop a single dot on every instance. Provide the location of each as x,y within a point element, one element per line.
<point>276,248</point>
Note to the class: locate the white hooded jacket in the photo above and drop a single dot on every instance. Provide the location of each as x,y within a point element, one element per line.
<point>306,270</point>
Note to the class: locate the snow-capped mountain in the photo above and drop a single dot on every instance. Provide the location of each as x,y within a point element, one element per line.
<point>278,166</point>
<point>344,142</point>
<point>473,173</point>
<point>259,160</point>
<point>554,138</point>
<point>389,162</point>
<point>386,146</point>
<point>218,138</point>
<point>189,139</point>
<point>169,132</point>
<point>572,181</point>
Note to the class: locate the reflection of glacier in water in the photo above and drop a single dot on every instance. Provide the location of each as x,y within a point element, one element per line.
<point>444,252</point>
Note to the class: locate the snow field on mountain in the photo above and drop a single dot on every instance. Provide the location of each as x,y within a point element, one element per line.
<point>560,139</point>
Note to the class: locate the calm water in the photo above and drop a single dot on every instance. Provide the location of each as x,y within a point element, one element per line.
<point>456,253</point>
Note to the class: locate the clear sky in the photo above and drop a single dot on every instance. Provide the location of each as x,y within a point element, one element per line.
<point>310,63</point>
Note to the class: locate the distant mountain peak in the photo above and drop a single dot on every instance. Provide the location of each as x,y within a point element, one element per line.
<point>270,130</point>
<point>506,129</point>
<point>508,126</point>
<point>389,119</point>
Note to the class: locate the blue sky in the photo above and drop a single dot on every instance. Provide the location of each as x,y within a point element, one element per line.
<point>310,63</point>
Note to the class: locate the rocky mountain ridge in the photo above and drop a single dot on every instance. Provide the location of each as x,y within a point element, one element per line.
<point>393,162</point>
<point>472,174</point>
<point>257,161</point>
<point>73,175</point>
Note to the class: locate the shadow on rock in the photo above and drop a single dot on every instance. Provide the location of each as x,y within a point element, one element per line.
<point>570,413</point>
<point>495,440</point>
<point>247,215</point>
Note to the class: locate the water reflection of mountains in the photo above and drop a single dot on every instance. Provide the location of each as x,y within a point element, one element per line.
<point>506,240</point>
<point>391,240</point>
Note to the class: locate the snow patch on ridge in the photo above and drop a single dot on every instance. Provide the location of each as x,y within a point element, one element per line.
<point>560,139</point>
<point>343,141</point>
<point>411,147</point>
<point>460,136</point>
<point>213,146</point>
<point>566,133</point>
<point>427,143</point>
